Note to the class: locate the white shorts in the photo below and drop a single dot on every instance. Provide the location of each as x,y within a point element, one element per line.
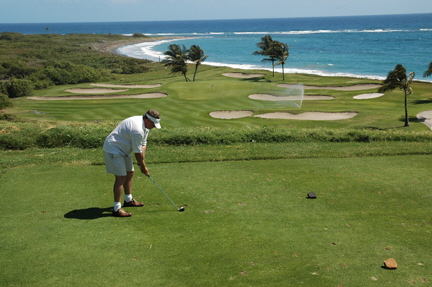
<point>118,164</point>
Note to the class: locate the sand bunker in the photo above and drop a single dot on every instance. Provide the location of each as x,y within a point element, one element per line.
<point>242,75</point>
<point>368,96</point>
<point>426,118</point>
<point>348,88</point>
<point>94,91</point>
<point>311,116</point>
<point>127,86</point>
<point>99,97</point>
<point>268,97</point>
<point>228,115</point>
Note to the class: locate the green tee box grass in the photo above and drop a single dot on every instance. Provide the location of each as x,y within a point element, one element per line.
<point>246,223</point>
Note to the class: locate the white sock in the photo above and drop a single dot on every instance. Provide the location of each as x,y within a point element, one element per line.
<point>117,206</point>
<point>128,197</point>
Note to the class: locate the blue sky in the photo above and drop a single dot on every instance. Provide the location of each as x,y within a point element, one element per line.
<point>51,11</point>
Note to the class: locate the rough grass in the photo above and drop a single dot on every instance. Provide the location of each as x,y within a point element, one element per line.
<point>19,136</point>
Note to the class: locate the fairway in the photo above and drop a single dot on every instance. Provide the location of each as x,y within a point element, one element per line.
<point>247,223</point>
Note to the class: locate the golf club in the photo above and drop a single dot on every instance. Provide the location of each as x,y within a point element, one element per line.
<point>179,209</point>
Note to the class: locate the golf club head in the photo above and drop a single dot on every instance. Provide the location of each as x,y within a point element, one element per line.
<point>181,209</point>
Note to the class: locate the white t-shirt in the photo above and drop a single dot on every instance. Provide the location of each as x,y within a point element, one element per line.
<point>129,136</point>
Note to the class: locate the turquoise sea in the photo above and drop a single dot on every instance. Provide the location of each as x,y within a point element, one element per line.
<point>357,46</point>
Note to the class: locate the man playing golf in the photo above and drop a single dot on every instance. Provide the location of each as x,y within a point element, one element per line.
<point>130,136</point>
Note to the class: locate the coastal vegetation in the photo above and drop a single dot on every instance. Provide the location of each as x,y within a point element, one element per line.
<point>35,62</point>
<point>178,56</point>
<point>243,181</point>
<point>197,56</point>
<point>428,72</point>
<point>276,52</point>
<point>398,78</point>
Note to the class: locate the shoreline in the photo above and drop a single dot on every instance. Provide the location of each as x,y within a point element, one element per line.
<point>113,47</point>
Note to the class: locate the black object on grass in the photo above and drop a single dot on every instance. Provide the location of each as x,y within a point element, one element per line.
<point>311,195</point>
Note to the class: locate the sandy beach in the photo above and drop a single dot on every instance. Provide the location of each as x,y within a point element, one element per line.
<point>111,47</point>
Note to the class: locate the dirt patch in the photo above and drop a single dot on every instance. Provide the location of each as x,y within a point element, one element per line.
<point>94,91</point>
<point>368,96</point>
<point>268,97</point>
<point>347,88</point>
<point>127,86</point>
<point>311,116</point>
<point>242,75</point>
<point>426,118</point>
<point>229,115</point>
<point>99,97</point>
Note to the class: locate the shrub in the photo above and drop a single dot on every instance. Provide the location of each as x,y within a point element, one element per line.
<point>72,136</point>
<point>19,88</point>
<point>3,87</point>
<point>5,102</point>
<point>17,69</point>
<point>14,138</point>
<point>138,35</point>
<point>64,72</point>
<point>92,135</point>
<point>9,36</point>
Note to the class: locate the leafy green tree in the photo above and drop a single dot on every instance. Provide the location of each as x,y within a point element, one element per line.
<point>428,72</point>
<point>196,55</point>
<point>176,58</point>
<point>280,52</point>
<point>399,79</point>
<point>265,46</point>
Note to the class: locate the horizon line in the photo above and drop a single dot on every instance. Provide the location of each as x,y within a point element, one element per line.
<point>224,19</point>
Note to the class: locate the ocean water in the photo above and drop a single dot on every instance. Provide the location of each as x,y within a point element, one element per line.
<point>355,46</point>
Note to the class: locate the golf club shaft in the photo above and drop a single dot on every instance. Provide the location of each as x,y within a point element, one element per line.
<point>163,192</point>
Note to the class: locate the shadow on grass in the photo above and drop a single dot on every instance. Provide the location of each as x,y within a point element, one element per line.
<point>421,102</point>
<point>256,79</point>
<point>89,213</point>
<point>411,119</point>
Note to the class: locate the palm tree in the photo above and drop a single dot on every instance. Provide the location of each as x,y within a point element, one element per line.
<point>196,55</point>
<point>176,58</point>
<point>264,45</point>
<point>428,72</point>
<point>280,52</point>
<point>399,79</point>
